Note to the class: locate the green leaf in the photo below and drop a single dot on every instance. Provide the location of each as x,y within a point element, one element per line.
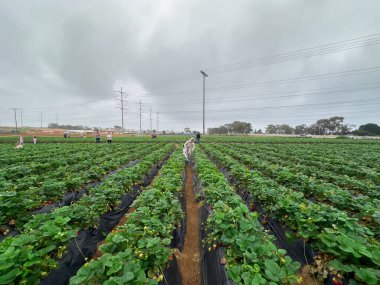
<point>245,225</point>
<point>272,269</point>
<point>117,264</point>
<point>340,266</point>
<point>46,250</point>
<point>10,276</point>
<point>367,274</point>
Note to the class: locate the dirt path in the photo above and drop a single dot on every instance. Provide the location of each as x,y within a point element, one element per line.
<point>189,258</point>
<point>307,279</point>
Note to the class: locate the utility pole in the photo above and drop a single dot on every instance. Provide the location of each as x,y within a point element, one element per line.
<point>14,111</point>
<point>140,116</point>
<point>56,119</point>
<point>122,107</point>
<point>204,89</point>
<point>157,124</point>
<point>22,125</point>
<point>150,118</point>
<point>41,119</point>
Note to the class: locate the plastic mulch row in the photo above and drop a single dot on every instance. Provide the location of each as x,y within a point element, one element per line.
<point>85,244</point>
<point>212,271</point>
<point>69,198</point>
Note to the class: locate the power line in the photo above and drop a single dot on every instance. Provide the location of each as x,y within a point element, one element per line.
<point>298,54</point>
<point>259,84</point>
<point>299,79</point>
<point>276,107</point>
<point>296,51</point>
<point>275,82</point>
<point>297,93</point>
<point>334,47</point>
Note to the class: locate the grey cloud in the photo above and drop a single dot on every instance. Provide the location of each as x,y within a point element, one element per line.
<point>65,54</point>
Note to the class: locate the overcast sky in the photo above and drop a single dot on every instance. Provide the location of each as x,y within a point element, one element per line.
<point>268,61</point>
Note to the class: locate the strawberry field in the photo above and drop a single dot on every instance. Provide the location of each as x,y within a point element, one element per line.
<point>76,212</point>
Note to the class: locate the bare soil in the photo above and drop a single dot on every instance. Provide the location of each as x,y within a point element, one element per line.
<point>307,279</point>
<point>189,259</point>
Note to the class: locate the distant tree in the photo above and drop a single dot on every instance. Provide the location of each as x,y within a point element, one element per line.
<point>300,129</point>
<point>259,131</point>
<point>117,127</point>
<point>370,128</point>
<point>53,126</point>
<point>362,133</point>
<point>238,127</point>
<point>68,127</point>
<point>333,125</point>
<point>312,129</point>
<point>235,127</point>
<point>271,129</point>
<point>223,130</point>
<point>187,131</point>
<point>322,127</point>
<point>285,129</point>
<point>213,131</point>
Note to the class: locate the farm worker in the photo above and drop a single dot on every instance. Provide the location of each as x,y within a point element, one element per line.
<point>35,140</point>
<point>198,137</point>
<point>97,137</point>
<point>18,145</point>
<point>21,141</point>
<point>109,138</point>
<point>188,149</point>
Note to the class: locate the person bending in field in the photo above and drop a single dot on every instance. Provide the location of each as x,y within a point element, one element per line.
<point>188,149</point>
<point>18,145</point>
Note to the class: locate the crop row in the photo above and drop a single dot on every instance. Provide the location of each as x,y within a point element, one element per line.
<point>350,155</point>
<point>307,167</point>
<point>350,247</point>
<point>30,256</point>
<point>60,160</point>
<point>363,207</point>
<point>10,156</point>
<point>18,200</point>
<point>252,257</point>
<point>137,252</point>
<point>335,162</point>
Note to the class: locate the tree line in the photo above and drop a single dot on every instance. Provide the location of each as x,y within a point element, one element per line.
<point>331,126</point>
<point>235,127</point>
<point>68,127</point>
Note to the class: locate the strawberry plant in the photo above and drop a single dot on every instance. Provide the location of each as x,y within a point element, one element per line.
<point>252,258</point>
<point>329,229</point>
<point>45,236</point>
<point>145,238</point>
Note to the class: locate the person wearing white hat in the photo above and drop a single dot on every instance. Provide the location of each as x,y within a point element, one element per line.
<point>188,149</point>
